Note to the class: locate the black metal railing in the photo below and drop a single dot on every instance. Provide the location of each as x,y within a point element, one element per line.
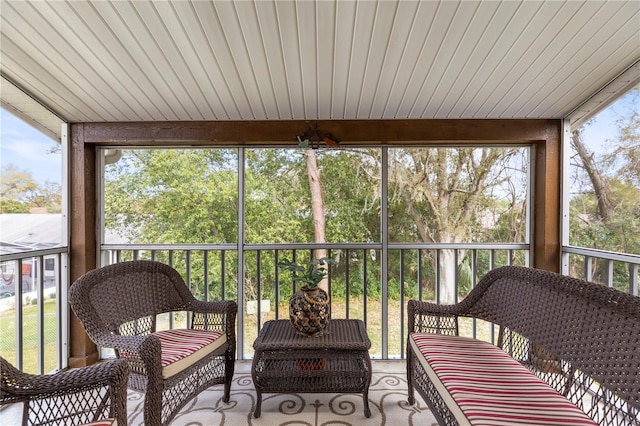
<point>34,310</point>
<point>367,283</point>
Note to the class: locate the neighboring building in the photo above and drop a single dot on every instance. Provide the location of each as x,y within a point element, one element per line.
<point>23,233</point>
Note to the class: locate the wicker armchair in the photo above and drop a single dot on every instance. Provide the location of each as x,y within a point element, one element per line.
<point>118,306</point>
<point>97,393</point>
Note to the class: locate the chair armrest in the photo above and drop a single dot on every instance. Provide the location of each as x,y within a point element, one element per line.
<point>74,395</point>
<point>215,315</point>
<point>426,317</point>
<point>142,352</point>
<point>224,307</point>
<point>119,342</point>
<point>112,372</point>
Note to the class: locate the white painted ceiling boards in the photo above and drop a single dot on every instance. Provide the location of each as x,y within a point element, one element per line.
<point>102,61</point>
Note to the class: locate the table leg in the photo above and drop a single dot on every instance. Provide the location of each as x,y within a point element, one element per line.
<point>254,365</point>
<point>256,412</point>
<point>365,400</point>
<point>365,394</point>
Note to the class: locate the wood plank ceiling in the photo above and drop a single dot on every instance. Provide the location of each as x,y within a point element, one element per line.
<point>105,61</point>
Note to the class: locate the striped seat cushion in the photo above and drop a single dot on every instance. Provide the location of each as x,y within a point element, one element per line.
<point>105,422</point>
<point>483,385</point>
<point>184,347</point>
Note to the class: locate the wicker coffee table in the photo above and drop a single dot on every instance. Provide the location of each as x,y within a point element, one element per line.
<point>336,362</point>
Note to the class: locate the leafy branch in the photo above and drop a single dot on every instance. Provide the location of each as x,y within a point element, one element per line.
<point>310,274</point>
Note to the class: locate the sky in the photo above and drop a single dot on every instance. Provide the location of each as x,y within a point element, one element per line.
<point>603,128</point>
<point>28,149</point>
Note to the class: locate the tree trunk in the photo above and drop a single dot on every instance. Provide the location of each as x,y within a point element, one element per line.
<point>599,185</point>
<point>441,190</point>
<point>317,207</point>
<point>447,280</point>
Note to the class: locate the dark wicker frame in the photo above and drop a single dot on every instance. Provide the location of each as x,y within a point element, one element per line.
<point>335,362</point>
<point>118,305</point>
<point>580,337</point>
<point>77,396</point>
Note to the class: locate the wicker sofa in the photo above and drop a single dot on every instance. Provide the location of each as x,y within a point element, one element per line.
<point>119,305</point>
<point>566,349</point>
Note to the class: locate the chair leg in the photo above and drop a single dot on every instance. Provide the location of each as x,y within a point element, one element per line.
<point>411,397</point>
<point>228,374</point>
<point>153,406</point>
<point>25,412</point>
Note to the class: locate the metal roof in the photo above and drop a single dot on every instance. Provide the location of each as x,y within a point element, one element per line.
<point>27,232</point>
<point>105,61</point>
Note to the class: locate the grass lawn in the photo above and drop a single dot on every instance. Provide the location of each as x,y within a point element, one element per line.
<point>30,336</point>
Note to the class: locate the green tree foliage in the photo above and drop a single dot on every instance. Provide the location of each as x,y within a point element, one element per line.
<point>12,206</point>
<point>626,155</point>
<point>19,192</point>
<point>605,207</point>
<point>173,196</point>
<point>352,185</point>
<point>456,194</point>
<point>17,184</point>
<point>277,197</point>
<point>435,195</point>
<point>617,229</point>
<point>276,181</point>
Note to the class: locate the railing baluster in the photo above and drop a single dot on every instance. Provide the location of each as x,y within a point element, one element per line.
<point>205,261</point>
<point>364,286</point>
<point>419,274</point>
<point>258,288</point>
<point>19,315</point>
<point>39,261</point>
<point>347,284</point>
<point>474,265</point>
<point>223,275</point>
<point>436,285</point>
<point>276,286</point>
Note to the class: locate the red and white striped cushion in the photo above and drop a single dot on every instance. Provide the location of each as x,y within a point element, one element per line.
<point>105,422</point>
<point>483,385</point>
<point>184,347</point>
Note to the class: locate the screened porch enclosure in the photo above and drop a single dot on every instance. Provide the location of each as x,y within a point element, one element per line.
<point>451,214</point>
<point>394,273</point>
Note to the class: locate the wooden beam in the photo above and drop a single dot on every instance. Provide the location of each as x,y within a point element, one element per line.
<point>547,196</point>
<point>82,250</point>
<point>350,132</point>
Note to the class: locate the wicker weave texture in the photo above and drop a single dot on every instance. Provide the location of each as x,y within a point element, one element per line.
<point>337,361</point>
<point>118,305</point>
<point>340,334</point>
<point>580,337</point>
<point>70,397</point>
